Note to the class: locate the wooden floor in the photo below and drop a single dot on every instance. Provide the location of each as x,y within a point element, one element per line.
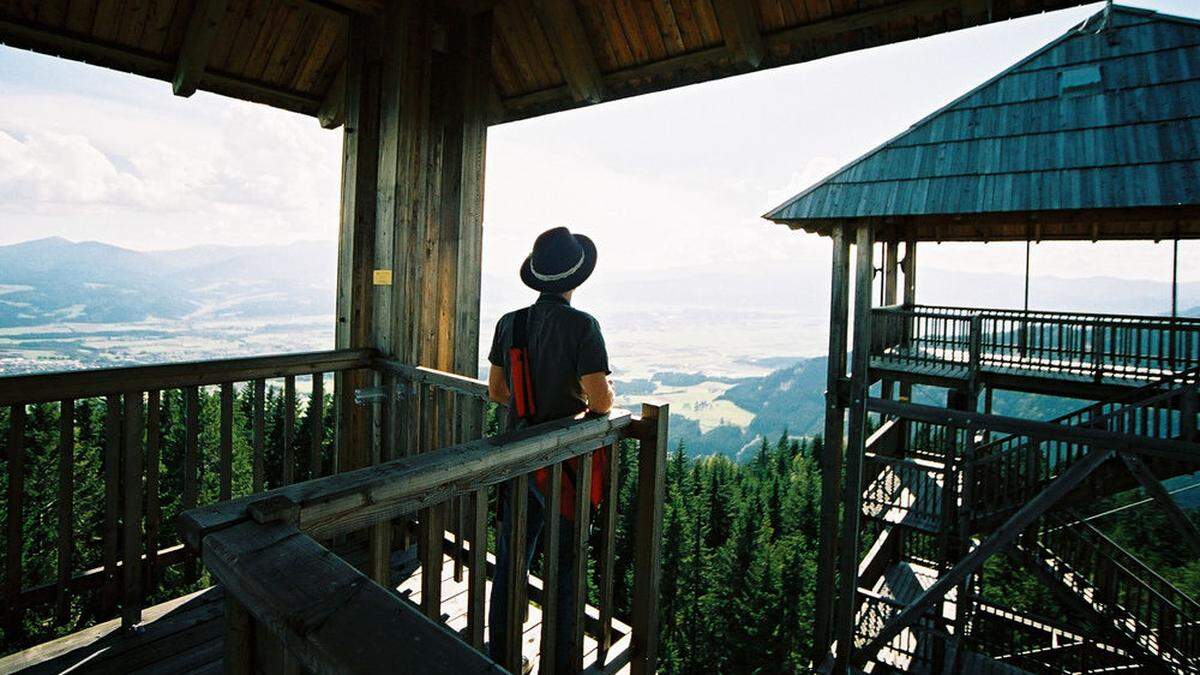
<point>186,635</point>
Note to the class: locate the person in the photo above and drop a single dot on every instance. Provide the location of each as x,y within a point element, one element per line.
<point>568,366</point>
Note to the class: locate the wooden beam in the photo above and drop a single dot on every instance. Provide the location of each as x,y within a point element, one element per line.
<point>356,499</point>
<point>332,113</point>
<point>193,56</point>
<point>120,57</point>
<point>1100,438</point>
<point>101,381</point>
<point>740,29</point>
<point>564,29</point>
<point>328,615</point>
<point>652,466</point>
<point>831,453</point>
<point>860,383</point>
<point>1155,489</point>
<point>995,542</point>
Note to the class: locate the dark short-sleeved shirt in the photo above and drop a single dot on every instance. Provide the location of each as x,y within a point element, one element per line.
<point>564,345</point>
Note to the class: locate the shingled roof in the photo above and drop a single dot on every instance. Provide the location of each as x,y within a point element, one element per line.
<point>1094,136</point>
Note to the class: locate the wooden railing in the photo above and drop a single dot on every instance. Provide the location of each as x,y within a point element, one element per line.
<point>1099,347</point>
<point>1143,606</point>
<point>142,428</point>
<point>285,586</point>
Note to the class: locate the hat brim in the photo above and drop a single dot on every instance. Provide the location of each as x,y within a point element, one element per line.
<point>567,283</point>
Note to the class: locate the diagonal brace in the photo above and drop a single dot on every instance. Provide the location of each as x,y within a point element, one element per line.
<point>1155,489</point>
<point>1000,538</point>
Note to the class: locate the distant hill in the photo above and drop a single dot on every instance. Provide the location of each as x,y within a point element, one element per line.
<point>54,280</point>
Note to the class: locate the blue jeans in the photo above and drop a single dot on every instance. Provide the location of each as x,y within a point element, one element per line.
<point>565,613</point>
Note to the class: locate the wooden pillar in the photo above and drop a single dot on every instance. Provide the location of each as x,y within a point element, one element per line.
<point>831,457</point>
<point>909,267</point>
<point>891,274</point>
<point>412,196</point>
<point>855,448</point>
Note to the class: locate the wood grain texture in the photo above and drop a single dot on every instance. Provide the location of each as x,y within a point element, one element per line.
<point>652,461</point>
<point>14,521</point>
<point>201,32</point>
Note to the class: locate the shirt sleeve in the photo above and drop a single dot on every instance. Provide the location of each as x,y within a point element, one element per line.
<point>593,354</point>
<point>496,354</point>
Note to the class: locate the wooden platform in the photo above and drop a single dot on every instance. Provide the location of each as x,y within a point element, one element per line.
<point>186,635</point>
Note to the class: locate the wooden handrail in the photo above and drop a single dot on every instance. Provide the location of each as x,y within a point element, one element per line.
<point>356,499</point>
<point>46,387</point>
<point>328,616</point>
<point>436,378</point>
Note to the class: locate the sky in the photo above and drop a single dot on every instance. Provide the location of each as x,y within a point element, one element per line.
<point>674,179</point>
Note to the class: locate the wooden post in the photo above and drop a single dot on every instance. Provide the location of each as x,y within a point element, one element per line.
<point>131,602</point>
<point>239,639</point>
<point>891,272</point>
<point>66,495</point>
<point>652,465</point>
<point>15,520</point>
<point>112,501</point>
<point>153,505</point>
<point>855,448</point>
<point>831,457</point>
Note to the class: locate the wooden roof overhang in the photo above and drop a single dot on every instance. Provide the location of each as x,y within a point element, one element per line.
<point>547,55</point>
<point>1024,157</point>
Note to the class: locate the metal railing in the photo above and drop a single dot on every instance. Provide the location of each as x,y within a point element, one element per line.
<point>1099,347</point>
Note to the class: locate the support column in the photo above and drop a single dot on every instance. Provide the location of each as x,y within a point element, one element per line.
<point>831,456</point>
<point>855,448</point>
<point>413,162</point>
<point>891,273</point>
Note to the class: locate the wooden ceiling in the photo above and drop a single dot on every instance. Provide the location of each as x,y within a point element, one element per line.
<point>547,55</point>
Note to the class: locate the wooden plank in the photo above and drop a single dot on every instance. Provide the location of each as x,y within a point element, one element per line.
<point>193,57</point>
<point>133,490</point>
<point>477,568</point>
<point>514,605</point>
<point>289,430</point>
<point>239,639</point>
<point>226,449</point>
<point>66,501</point>
<point>153,502</point>
<point>332,113</point>
<point>191,458</point>
<point>652,460</point>
<point>112,501</point>
<point>579,559</point>
<point>259,441</point>
<point>572,49</point>
<point>355,499</point>
<point>15,519</point>
<point>48,387</point>
<point>740,30</point>
<point>993,543</point>
<point>860,383</point>
<point>607,553</point>
<point>326,613</point>
<point>551,556</point>
<point>316,416</point>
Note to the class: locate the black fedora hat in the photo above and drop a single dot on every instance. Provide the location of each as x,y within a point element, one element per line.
<point>560,261</point>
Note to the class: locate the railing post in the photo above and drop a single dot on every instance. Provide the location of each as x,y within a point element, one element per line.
<point>652,463</point>
<point>131,600</point>
<point>239,638</point>
<point>975,342</point>
<point>1098,351</point>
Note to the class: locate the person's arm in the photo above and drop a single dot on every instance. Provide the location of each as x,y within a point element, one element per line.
<point>498,385</point>
<point>599,391</point>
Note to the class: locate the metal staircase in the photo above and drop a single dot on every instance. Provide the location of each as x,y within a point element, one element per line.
<point>1144,623</point>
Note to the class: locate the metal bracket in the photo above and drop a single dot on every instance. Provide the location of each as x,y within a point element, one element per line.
<point>371,395</point>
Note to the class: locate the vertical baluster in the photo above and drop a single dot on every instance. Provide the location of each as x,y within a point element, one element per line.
<point>259,442</point>
<point>607,553</point>
<point>579,543</point>
<point>316,415</point>
<point>153,506</point>
<point>66,501</point>
<point>226,454</point>
<point>458,514</point>
<point>477,569</point>
<point>15,521</point>
<point>289,429</point>
<point>191,445</point>
<point>550,571</point>
<point>112,501</point>
<point>514,603</point>
<point>131,604</point>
